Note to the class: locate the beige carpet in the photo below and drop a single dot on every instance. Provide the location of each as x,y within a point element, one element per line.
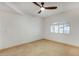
<point>41,48</point>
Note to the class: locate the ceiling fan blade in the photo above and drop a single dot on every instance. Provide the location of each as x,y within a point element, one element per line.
<point>39,12</point>
<point>36,4</point>
<point>50,7</point>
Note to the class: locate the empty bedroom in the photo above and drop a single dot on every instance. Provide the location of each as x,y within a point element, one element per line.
<point>39,28</point>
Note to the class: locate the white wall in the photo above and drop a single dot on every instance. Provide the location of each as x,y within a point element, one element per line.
<point>70,16</point>
<point>17,29</point>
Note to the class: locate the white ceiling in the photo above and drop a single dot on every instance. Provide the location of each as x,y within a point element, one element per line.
<point>30,8</point>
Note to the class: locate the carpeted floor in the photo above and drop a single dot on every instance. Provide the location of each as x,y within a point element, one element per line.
<point>41,48</point>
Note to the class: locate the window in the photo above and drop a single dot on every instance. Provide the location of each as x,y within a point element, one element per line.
<point>60,28</point>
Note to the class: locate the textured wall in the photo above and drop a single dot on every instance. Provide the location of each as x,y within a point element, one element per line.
<point>17,29</point>
<point>71,17</point>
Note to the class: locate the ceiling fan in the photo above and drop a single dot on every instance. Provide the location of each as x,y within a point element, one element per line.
<point>43,8</point>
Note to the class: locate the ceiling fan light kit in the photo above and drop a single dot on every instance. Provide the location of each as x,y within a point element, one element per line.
<point>42,8</point>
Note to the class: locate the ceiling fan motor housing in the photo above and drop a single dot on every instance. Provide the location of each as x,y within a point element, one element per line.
<point>42,3</point>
